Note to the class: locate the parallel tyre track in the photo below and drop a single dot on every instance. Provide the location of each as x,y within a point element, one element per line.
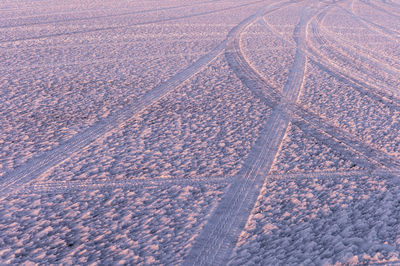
<point>372,26</point>
<point>356,83</point>
<point>313,125</point>
<point>344,58</point>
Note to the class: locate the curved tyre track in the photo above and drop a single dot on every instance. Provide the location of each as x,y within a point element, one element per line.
<point>348,49</point>
<point>130,25</point>
<point>335,71</point>
<point>95,17</point>
<point>372,26</point>
<point>383,10</point>
<point>345,58</point>
<point>345,143</point>
<point>218,237</point>
<point>357,48</point>
<point>47,160</point>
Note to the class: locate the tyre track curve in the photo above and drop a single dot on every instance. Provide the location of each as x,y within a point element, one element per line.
<point>335,71</point>
<point>381,59</point>
<point>342,141</point>
<point>93,18</point>
<point>371,25</point>
<point>347,48</point>
<point>313,125</point>
<point>130,25</point>
<point>343,57</point>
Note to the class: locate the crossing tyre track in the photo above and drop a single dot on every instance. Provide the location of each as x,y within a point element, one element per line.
<point>342,57</point>
<point>312,124</point>
<point>218,237</point>
<point>34,167</point>
<point>333,70</point>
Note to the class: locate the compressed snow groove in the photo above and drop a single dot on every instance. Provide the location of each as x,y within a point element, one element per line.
<point>338,173</point>
<point>218,237</point>
<point>58,187</point>
<point>340,140</point>
<point>38,165</point>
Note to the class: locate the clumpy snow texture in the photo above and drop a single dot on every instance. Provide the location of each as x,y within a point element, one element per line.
<point>327,220</point>
<point>302,153</point>
<point>121,225</point>
<point>205,128</point>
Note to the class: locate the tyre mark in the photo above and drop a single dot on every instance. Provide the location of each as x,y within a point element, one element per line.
<point>34,167</point>
<point>319,174</point>
<point>345,143</point>
<point>365,89</point>
<point>371,25</point>
<point>355,48</point>
<point>348,60</point>
<point>62,187</point>
<point>218,237</point>
<point>92,18</point>
<point>312,124</point>
<point>130,25</point>
<point>388,175</point>
<point>376,7</point>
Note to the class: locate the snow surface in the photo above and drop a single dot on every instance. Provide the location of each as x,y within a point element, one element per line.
<point>250,132</point>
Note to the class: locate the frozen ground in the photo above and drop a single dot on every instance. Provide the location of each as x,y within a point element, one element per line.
<point>200,132</point>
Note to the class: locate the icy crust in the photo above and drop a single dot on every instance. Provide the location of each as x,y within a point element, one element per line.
<point>370,118</point>
<point>344,26</point>
<point>204,128</point>
<point>302,153</point>
<point>316,221</point>
<point>271,56</point>
<point>133,226</point>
